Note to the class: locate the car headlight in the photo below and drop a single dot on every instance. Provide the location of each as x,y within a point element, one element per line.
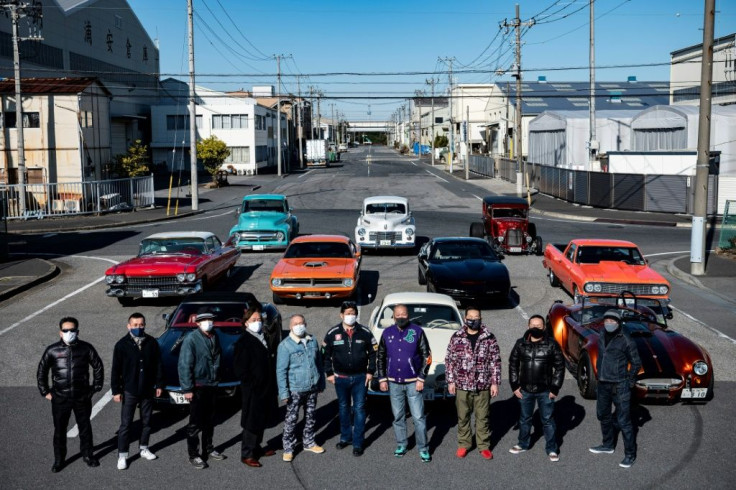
<point>181,277</point>
<point>588,287</point>
<point>361,231</point>
<point>700,368</point>
<point>659,289</point>
<point>280,236</point>
<point>236,236</point>
<point>347,283</point>
<point>276,282</point>
<point>110,279</point>
<point>409,232</point>
<point>593,287</point>
<point>500,239</point>
<point>528,239</point>
<point>119,279</point>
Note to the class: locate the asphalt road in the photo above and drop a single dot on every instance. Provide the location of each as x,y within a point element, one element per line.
<point>680,446</point>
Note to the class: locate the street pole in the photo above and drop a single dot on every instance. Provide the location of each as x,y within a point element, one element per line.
<point>451,153</point>
<point>432,82</point>
<point>467,142</point>
<point>697,238</point>
<point>319,117</point>
<point>592,143</point>
<point>517,130</point>
<point>278,115</point>
<point>19,115</point>
<point>192,112</point>
<point>299,110</point>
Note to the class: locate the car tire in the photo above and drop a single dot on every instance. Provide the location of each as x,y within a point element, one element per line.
<point>477,230</point>
<point>538,245</point>
<point>277,300</point>
<point>553,281</point>
<point>532,230</point>
<point>420,277</point>
<point>587,382</point>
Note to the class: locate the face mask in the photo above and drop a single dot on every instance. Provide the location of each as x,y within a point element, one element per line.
<point>610,326</point>
<point>255,327</point>
<point>472,324</point>
<point>69,337</point>
<point>137,332</point>
<point>401,322</point>
<point>299,330</point>
<point>350,319</point>
<point>206,325</point>
<point>536,333</point>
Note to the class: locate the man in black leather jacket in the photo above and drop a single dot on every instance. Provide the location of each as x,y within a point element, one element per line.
<point>536,373</point>
<point>69,361</point>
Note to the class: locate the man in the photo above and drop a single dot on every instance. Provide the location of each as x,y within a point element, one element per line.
<point>300,378</point>
<point>199,375</point>
<point>403,362</point>
<point>473,370</point>
<point>349,364</point>
<point>536,373</point>
<point>252,364</point>
<point>617,365</point>
<point>69,361</point>
<point>135,377</point>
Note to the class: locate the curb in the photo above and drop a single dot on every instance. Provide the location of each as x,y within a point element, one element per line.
<point>675,271</point>
<point>50,273</point>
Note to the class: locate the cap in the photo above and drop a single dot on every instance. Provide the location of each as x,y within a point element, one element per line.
<point>613,314</point>
<point>204,316</point>
<point>348,304</point>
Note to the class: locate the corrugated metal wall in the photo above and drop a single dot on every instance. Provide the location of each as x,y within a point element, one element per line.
<point>628,191</point>
<point>665,193</point>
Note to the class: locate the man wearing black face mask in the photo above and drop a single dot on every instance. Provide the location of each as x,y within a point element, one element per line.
<point>536,373</point>
<point>135,377</point>
<point>617,365</point>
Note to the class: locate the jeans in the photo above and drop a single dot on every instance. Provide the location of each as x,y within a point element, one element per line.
<point>399,394</point>
<point>467,403</point>
<point>620,395</point>
<point>352,421</point>
<point>61,409</point>
<point>308,400</point>
<point>546,413</point>
<point>127,412</point>
<point>201,419</point>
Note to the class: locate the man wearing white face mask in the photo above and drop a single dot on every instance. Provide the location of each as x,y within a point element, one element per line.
<point>350,361</point>
<point>300,378</point>
<point>199,375</point>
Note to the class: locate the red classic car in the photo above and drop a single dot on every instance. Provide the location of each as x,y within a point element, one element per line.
<point>506,226</point>
<point>674,368</point>
<point>171,264</point>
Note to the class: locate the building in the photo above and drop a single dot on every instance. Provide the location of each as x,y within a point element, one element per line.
<point>685,66</point>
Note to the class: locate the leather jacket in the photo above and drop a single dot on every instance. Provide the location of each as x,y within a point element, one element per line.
<point>536,367</point>
<point>69,366</point>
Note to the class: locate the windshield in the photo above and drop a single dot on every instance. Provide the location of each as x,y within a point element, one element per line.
<point>445,251</point>
<point>385,207</point>
<point>185,246</point>
<point>509,213</point>
<point>594,255</point>
<point>259,205</point>
<point>226,314</point>
<point>334,250</point>
<point>425,315</point>
<point>646,309</point>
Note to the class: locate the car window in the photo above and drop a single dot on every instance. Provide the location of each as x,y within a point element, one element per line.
<point>335,250</point>
<point>509,213</point>
<point>189,246</point>
<point>260,205</point>
<point>571,252</point>
<point>387,207</point>
<point>425,315</point>
<point>462,251</point>
<point>594,255</point>
<point>210,244</point>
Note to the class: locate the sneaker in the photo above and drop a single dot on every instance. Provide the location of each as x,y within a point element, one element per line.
<point>627,462</point>
<point>517,449</point>
<point>216,455</point>
<point>601,449</point>
<point>122,463</point>
<point>554,457</point>
<point>147,454</point>
<point>461,452</point>
<point>487,454</point>
<point>400,451</point>
<point>343,444</point>
<point>288,457</point>
<point>426,457</point>
<point>198,463</point>
<point>315,449</point>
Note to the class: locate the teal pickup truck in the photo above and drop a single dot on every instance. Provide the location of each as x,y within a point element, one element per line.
<point>265,222</point>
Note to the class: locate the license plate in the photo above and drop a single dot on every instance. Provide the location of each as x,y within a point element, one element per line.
<point>150,293</point>
<point>516,250</point>
<point>428,394</point>
<point>694,392</point>
<point>385,243</point>
<point>312,295</point>
<point>257,247</point>
<point>178,398</point>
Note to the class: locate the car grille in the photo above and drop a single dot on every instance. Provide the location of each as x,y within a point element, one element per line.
<point>311,283</point>
<point>162,283</point>
<point>394,236</point>
<point>514,238</point>
<point>258,236</point>
<point>637,289</point>
<point>658,384</point>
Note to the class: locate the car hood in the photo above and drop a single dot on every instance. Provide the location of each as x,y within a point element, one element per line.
<point>379,223</point>
<point>314,267</point>
<point>260,221</point>
<point>151,264</point>
<point>475,269</point>
<point>610,271</point>
<point>666,353</point>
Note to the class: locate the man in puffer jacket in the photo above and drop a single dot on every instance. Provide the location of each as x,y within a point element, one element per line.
<point>69,361</point>
<point>536,373</point>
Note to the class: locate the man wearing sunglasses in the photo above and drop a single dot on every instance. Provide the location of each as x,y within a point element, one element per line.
<point>69,361</point>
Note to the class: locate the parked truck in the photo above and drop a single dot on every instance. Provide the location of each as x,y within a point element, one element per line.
<point>316,154</point>
<point>597,267</point>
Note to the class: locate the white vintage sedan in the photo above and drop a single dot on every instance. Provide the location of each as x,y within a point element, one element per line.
<point>385,222</point>
<point>438,315</point>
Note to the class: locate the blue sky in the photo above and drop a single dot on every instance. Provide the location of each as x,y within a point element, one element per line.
<point>401,41</point>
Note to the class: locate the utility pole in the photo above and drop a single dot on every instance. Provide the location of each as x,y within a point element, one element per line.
<point>278,115</point>
<point>697,238</point>
<point>449,61</point>
<point>592,143</point>
<point>467,142</point>
<point>332,117</point>
<point>432,82</point>
<point>299,110</point>
<point>319,116</point>
<point>192,112</point>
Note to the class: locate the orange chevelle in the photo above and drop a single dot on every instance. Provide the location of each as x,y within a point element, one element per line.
<point>317,267</point>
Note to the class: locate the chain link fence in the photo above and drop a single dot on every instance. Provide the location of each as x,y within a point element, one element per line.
<point>727,240</point>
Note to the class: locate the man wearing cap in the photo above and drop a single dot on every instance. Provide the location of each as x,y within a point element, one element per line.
<point>349,364</point>
<point>617,365</point>
<point>199,375</point>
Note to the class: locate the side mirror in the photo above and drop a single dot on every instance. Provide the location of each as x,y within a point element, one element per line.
<point>237,211</point>
<point>291,210</point>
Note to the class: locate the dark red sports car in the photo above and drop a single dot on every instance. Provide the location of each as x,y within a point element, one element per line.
<point>674,368</point>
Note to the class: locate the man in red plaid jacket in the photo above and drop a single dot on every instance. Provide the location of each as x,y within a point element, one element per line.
<point>473,370</point>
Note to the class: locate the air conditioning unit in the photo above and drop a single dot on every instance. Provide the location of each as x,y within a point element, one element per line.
<point>72,205</point>
<point>58,206</point>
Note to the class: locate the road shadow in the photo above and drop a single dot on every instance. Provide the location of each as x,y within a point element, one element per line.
<point>441,416</point>
<point>368,287</point>
<point>568,415</point>
<point>504,416</point>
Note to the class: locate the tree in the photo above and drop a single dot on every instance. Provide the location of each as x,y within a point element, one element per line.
<point>134,163</point>
<point>212,152</point>
<point>440,141</point>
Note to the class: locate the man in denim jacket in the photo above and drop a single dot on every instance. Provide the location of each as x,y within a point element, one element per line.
<point>300,377</point>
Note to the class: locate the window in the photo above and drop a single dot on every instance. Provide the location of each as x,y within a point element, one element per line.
<point>85,119</point>
<point>261,153</point>
<point>30,120</point>
<point>260,122</point>
<point>180,122</point>
<point>238,154</point>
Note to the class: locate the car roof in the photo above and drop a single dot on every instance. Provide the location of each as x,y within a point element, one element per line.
<point>603,242</point>
<point>446,239</point>
<point>505,200</point>
<point>410,297</point>
<point>321,238</point>
<point>249,197</point>
<point>382,199</point>
<point>220,297</point>
<point>180,234</point>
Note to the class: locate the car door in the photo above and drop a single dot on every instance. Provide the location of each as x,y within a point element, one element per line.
<point>564,273</point>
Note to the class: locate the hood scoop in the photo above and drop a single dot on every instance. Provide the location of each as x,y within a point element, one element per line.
<point>315,264</point>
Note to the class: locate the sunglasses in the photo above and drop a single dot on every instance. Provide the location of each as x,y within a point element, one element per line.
<point>71,330</point>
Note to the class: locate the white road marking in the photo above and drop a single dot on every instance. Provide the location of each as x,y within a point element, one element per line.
<point>214,216</point>
<point>434,175</point>
<point>715,330</point>
<point>414,163</point>
<point>49,235</point>
<point>523,313</point>
<point>478,198</point>
<point>672,253</point>
<point>305,174</point>
<point>97,408</point>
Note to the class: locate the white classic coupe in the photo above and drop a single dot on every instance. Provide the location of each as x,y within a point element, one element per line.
<point>385,222</point>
